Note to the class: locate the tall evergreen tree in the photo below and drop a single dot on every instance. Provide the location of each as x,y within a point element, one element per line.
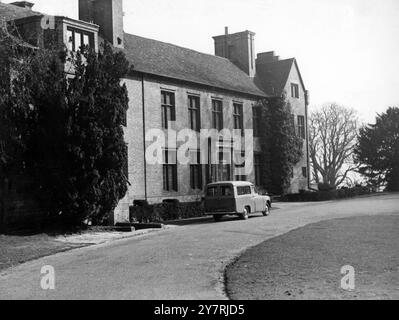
<point>281,148</point>
<point>69,129</point>
<point>377,151</point>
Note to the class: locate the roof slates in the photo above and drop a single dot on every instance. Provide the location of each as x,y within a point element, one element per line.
<point>164,59</point>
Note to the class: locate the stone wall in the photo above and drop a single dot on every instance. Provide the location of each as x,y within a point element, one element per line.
<point>299,182</point>
<point>134,136</point>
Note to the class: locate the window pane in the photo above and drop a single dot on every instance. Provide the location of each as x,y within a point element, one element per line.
<point>86,40</point>
<point>172,157</point>
<point>165,178</point>
<point>78,41</point>
<point>192,177</point>
<point>70,40</point>
<point>164,117</point>
<point>168,114</point>
<point>170,176</point>
<point>194,120</point>
<point>226,191</point>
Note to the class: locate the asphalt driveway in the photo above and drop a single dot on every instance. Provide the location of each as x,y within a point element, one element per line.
<point>185,262</point>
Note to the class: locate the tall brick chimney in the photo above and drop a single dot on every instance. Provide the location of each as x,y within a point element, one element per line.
<point>239,48</point>
<point>267,57</point>
<point>108,14</point>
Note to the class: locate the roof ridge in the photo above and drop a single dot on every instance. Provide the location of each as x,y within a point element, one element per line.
<point>181,47</point>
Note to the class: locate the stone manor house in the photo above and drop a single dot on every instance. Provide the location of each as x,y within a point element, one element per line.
<point>182,88</point>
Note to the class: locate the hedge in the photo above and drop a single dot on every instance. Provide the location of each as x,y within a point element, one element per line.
<point>308,196</point>
<point>168,211</point>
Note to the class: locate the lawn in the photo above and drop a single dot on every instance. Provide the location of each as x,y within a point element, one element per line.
<point>306,263</point>
<point>18,249</point>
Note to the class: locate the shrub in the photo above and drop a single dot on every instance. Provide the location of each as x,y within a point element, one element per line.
<point>325,187</point>
<point>308,196</point>
<point>167,211</point>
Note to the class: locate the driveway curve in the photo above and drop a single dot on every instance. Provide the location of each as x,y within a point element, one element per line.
<point>184,263</point>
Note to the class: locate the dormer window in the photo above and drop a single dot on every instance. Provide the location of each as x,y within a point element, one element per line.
<point>78,38</point>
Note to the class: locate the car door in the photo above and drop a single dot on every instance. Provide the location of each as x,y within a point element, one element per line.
<point>258,201</point>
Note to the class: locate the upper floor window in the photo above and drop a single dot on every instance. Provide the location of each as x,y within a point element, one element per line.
<point>295,90</point>
<point>238,117</point>
<point>217,114</point>
<point>194,111</point>
<point>301,127</point>
<point>168,108</point>
<point>78,38</point>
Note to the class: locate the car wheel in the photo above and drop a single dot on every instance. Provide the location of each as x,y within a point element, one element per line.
<point>245,214</point>
<point>217,217</point>
<point>266,213</point>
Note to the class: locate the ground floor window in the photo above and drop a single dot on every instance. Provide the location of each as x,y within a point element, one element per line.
<point>170,171</point>
<point>195,171</point>
<point>218,172</point>
<point>240,165</point>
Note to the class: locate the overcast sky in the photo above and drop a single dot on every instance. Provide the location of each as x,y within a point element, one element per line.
<point>347,50</point>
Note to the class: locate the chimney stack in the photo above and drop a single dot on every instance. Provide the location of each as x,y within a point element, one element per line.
<point>239,48</point>
<point>108,14</point>
<point>267,57</point>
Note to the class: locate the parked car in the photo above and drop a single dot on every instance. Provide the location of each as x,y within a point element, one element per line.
<point>235,198</point>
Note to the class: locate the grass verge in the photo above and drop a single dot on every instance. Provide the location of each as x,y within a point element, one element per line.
<point>306,263</point>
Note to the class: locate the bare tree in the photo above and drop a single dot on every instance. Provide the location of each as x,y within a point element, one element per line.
<point>333,131</point>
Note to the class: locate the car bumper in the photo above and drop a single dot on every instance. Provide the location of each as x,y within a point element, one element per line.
<point>221,213</point>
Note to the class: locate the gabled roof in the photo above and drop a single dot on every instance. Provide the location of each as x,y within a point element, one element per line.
<point>10,12</point>
<point>171,61</point>
<point>273,76</point>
